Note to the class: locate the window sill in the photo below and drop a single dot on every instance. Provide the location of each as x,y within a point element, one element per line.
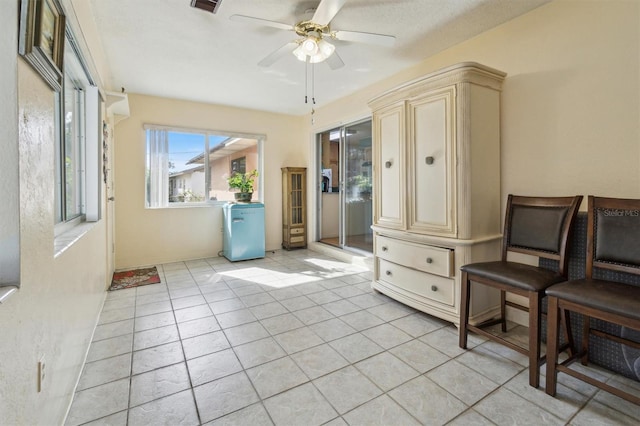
<point>65,240</point>
<point>189,205</point>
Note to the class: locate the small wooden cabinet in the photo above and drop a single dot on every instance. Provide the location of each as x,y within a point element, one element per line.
<point>294,207</point>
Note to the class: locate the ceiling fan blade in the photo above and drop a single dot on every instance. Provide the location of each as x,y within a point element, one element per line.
<point>370,38</point>
<point>326,10</point>
<point>274,56</point>
<point>334,61</point>
<point>261,22</point>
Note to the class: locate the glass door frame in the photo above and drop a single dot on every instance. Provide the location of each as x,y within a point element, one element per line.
<point>344,184</point>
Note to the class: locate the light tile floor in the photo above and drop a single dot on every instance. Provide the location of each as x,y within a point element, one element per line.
<point>299,338</point>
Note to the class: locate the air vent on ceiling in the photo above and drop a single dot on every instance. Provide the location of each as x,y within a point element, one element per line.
<point>208,5</point>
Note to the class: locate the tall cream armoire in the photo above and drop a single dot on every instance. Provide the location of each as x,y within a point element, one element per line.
<point>437,188</point>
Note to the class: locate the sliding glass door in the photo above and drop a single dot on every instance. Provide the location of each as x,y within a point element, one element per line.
<point>344,193</point>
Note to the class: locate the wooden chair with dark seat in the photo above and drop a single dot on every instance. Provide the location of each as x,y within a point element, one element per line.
<point>613,244</point>
<point>538,226</point>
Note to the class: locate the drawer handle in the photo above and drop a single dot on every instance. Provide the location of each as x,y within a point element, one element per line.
<point>384,248</point>
<point>434,288</point>
<point>388,164</point>
<point>388,273</point>
<point>429,160</point>
<point>429,260</point>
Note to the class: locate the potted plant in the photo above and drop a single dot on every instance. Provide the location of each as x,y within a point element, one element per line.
<point>243,182</point>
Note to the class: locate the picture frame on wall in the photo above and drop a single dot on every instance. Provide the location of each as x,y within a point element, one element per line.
<point>41,39</point>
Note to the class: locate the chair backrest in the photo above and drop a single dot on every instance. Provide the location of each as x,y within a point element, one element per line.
<point>540,226</point>
<point>613,235</point>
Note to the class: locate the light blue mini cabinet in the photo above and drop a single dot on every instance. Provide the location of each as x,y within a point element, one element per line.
<point>243,231</point>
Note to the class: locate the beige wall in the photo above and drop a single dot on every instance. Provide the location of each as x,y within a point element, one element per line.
<point>571,99</point>
<point>55,311</point>
<point>150,236</point>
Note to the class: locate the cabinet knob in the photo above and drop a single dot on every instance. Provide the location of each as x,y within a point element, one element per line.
<point>388,164</point>
<point>384,248</point>
<point>429,160</point>
<point>429,260</point>
<point>388,272</point>
<point>434,288</point>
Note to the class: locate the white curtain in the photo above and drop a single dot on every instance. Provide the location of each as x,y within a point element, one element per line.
<point>158,168</point>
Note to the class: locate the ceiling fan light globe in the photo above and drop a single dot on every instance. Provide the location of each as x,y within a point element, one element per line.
<point>326,48</point>
<point>324,51</point>
<point>299,53</point>
<point>310,46</point>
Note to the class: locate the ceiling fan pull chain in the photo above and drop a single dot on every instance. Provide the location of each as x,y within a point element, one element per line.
<point>313,96</point>
<point>313,83</point>
<point>306,84</point>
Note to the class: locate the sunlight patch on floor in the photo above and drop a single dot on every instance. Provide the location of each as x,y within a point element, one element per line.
<point>319,269</point>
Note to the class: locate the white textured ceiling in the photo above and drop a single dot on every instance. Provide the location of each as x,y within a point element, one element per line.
<point>167,48</point>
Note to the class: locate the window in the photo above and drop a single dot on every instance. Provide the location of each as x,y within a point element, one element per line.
<point>76,162</point>
<point>178,171</point>
<point>239,165</point>
<point>73,146</point>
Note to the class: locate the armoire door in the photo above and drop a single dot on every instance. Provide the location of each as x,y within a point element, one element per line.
<point>389,128</point>
<point>432,159</point>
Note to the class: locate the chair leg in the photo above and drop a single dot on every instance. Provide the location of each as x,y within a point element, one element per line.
<point>464,309</point>
<point>535,307</point>
<point>552,345</point>
<point>503,310</point>
<point>586,331</point>
<point>568,334</point>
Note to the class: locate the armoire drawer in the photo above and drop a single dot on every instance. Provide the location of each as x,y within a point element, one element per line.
<point>434,260</point>
<point>423,284</point>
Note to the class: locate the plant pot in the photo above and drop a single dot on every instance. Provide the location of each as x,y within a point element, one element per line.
<point>243,197</point>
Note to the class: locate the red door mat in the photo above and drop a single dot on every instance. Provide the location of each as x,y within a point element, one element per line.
<point>134,278</point>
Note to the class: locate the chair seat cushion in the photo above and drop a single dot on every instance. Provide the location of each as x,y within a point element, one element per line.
<point>605,296</point>
<point>517,275</point>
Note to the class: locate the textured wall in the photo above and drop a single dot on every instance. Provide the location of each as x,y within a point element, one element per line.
<point>54,312</point>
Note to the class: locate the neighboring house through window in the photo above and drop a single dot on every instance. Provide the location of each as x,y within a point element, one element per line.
<point>179,172</point>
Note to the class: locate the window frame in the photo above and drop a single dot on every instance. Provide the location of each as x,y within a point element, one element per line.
<point>72,146</point>
<point>87,120</point>
<point>230,135</point>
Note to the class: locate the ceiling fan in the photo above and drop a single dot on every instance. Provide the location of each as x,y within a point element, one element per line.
<point>312,46</point>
